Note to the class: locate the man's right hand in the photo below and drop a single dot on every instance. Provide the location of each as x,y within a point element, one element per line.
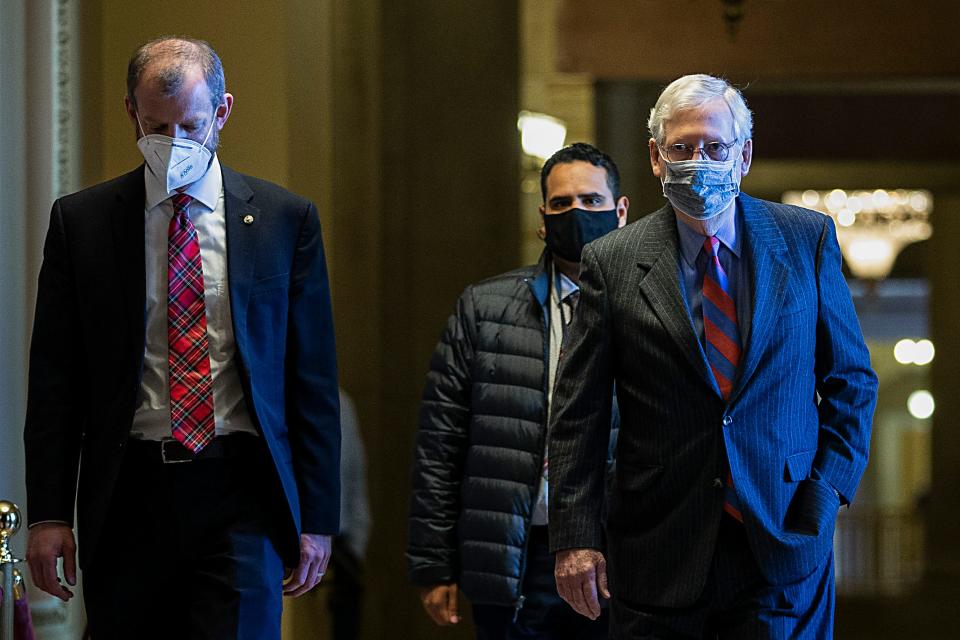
<point>46,542</point>
<point>440,603</point>
<point>581,574</point>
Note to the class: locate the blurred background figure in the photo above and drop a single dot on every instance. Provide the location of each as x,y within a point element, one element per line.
<point>346,581</point>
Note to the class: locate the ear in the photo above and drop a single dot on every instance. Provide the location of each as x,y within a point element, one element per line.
<point>542,229</point>
<point>622,205</point>
<point>224,109</point>
<point>746,157</point>
<point>132,114</point>
<point>654,157</point>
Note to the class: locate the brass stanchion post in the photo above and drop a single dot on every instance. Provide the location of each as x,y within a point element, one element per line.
<point>9,525</point>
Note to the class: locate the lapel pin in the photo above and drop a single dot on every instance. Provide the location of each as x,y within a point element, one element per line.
<point>248,219</point>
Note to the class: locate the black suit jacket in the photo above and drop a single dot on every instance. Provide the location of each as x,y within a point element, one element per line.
<point>87,351</point>
<point>787,450</point>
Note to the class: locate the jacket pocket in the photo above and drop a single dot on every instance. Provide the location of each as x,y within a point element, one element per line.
<point>281,281</point>
<point>797,466</point>
<point>635,477</point>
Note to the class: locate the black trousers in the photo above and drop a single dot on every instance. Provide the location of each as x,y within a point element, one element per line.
<point>544,615</point>
<point>188,549</point>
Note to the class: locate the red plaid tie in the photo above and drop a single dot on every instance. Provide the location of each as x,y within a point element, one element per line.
<point>723,343</point>
<point>191,396</point>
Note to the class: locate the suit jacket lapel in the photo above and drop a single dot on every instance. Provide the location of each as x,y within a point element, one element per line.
<point>241,243</point>
<point>765,247</point>
<point>127,220</point>
<point>658,252</point>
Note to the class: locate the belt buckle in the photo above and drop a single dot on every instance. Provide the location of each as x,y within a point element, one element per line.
<point>163,452</point>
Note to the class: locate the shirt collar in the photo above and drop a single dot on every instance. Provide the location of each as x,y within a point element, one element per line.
<point>206,190</point>
<point>691,242</point>
<point>565,286</point>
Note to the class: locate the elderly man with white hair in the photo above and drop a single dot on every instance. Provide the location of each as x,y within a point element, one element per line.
<point>745,394</point>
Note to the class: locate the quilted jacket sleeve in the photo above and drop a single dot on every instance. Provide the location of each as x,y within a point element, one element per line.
<point>440,450</point>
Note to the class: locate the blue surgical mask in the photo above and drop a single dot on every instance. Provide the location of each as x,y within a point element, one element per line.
<point>702,189</point>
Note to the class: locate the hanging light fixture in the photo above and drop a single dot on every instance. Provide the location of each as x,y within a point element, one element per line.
<point>540,135</point>
<point>733,11</point>
<point>872,226</point>
<point>733,14</point>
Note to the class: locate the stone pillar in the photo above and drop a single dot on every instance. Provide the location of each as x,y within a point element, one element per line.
<point>334,103</point>
<point>14,287</point>
<point>943,523</point>
<point>406,122</point>
<point>622,111</point>
<point>38,158</point>
<point>448,207</point>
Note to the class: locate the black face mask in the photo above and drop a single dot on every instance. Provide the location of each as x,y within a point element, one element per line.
<point>570,231</point>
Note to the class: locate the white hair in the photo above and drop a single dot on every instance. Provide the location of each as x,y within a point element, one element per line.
<point>693,91</point>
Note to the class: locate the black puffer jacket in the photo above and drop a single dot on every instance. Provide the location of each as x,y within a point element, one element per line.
<point>482,431</point>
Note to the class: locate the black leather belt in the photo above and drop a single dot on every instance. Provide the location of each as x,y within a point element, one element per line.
<point>172,451</point>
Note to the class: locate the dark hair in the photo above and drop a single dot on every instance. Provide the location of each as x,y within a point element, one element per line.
<point>179,55</point>
<point>585,153</point>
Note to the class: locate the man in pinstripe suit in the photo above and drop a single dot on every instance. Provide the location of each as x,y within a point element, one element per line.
<point>745,394</point>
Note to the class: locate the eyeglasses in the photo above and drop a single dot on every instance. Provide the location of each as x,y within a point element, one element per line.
<point>678,152</point>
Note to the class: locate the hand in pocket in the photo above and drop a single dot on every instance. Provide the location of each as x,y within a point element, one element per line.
<point>813,509</point>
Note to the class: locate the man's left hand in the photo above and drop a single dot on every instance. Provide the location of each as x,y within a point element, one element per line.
<point>314,557</point>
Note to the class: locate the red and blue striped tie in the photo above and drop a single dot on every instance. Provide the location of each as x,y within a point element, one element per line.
<point>723,343</point>
<point>191,394</point>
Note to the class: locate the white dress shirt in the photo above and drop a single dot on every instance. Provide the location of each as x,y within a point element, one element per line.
<point>207,212</point>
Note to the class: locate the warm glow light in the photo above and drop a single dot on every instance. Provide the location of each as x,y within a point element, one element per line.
<point>905,351</point>
<point>810,198</point>
<point>919,201</point>
<point>920,353</point>
<point>881,200</point>
<point>873,256</point>
<point>873,225</point>
<point>920,404</point>
<point>846,218</point>
<point>836,200</point>
<point>924,353</point>
<point>541,135</point>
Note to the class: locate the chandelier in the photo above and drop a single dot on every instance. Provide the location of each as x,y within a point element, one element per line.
<point>872,226</point>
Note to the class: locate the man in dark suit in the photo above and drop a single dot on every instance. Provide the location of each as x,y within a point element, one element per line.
<point>183,359</point>
<point>745,394</point>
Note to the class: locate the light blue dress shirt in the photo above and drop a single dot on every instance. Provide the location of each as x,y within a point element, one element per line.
<point>693,264</point>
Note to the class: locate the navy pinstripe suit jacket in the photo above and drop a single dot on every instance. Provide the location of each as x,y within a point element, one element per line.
<point>796,429</point>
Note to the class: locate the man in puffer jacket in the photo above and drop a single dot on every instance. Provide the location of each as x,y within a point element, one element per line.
<point>478,514</point>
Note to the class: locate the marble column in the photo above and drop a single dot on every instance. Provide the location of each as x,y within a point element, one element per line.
<point>38,162</point>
